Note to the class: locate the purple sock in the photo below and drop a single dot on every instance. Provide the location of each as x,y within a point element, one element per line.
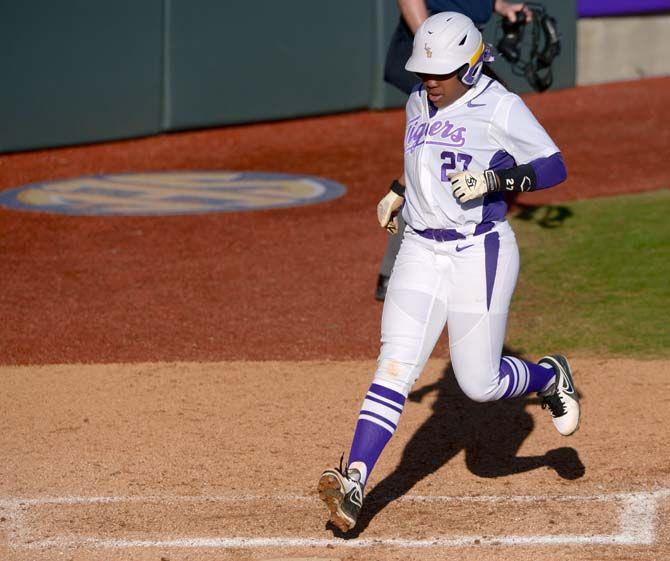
<point>524,377</point>
<point>376,424</point>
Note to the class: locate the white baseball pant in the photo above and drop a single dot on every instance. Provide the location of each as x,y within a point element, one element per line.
<point>466,284</point>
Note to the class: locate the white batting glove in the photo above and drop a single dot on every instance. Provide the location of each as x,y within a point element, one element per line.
<point>467,186</point>
<point>387,211</point>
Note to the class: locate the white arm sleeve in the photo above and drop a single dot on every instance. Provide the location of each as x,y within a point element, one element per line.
<point>518,132</point>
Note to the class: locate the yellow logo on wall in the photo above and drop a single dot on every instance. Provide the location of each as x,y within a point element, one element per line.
<point>140,194</point>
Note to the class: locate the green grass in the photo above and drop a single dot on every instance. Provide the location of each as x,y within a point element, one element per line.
<point>595,277</point>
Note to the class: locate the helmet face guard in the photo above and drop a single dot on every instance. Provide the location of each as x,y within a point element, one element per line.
<point>448,42</point>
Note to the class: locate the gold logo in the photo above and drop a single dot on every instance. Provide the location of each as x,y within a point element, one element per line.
<point>429,53</point>
<point>140,194</point>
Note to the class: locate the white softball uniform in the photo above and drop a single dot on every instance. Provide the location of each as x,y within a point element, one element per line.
<point>458,264</point>
<point>487,128</point>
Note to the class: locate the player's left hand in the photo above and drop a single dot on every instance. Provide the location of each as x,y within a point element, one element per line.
<point>387,211</point>
<point>467,186</point>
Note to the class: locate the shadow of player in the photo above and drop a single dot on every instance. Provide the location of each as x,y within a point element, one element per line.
<point>491,435</point>
<point>545,216</point>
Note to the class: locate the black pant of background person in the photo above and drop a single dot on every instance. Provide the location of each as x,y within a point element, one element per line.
<point>399,51</point>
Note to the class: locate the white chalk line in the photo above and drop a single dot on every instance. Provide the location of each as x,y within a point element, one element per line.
<point>14,502</point>
<point>280,542</point>
<point>637,523</point>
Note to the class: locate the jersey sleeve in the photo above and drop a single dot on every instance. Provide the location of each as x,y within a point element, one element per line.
<point>519,133</point>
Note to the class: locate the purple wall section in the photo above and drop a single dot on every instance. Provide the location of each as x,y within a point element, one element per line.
<point>599,8</point>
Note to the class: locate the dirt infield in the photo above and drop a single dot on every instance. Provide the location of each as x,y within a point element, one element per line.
<point>173,386</point>
<point>288,284</point>
<point>220,460</point>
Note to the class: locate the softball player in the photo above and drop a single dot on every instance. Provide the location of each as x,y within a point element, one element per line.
<point>467,140</point>
<point>412,14</point>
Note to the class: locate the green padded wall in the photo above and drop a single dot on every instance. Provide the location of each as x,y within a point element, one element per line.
<point>236,61</point>
<point>78,70</point>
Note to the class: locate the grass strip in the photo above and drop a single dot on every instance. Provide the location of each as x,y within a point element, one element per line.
<point>595,277</point>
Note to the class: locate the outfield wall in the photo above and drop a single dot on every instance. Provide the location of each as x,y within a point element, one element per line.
<point>79,71</point>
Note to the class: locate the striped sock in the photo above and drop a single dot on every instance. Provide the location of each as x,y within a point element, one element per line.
<point>523,377</point>
<point>376,424</point>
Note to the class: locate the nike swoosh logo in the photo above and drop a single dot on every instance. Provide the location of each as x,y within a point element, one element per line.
<point>356,497</point>
<point>470,104</point>
<point>567,386</point>
<point>459,249</point>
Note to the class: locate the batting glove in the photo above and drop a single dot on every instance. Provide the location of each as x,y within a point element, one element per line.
<point>467,186</point>
<point>387,211</point>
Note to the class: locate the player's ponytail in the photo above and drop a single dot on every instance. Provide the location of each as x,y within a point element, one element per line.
<point>488,71</point>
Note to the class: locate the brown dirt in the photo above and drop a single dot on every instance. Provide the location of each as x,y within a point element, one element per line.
<point>208,450</point>
<point>280,284</point>
<point>231,447</point>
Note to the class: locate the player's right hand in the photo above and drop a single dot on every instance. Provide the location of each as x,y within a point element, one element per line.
<point>387,211</point>
<point>509,10</point>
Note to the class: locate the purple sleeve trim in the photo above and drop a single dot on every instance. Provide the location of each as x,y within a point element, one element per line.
<point>549,171</point>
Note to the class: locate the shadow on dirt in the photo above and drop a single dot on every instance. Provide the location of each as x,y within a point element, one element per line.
<point>491,435</point>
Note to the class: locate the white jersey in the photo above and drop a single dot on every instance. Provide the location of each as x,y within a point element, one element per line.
<point>486,128</point>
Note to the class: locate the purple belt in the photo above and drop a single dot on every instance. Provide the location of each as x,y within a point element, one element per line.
<point>452,235</point>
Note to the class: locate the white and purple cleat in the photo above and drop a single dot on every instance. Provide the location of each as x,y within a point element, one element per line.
<point>561,397</point>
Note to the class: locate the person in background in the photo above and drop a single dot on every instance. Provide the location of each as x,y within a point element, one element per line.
<point>412,14</point>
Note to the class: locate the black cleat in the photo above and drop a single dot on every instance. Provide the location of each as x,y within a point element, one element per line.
<point>342,492</point>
